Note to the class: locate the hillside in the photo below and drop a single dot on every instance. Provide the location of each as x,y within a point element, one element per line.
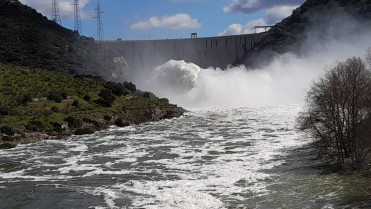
<point>37,104</point>
<point>30,39</point>
<point>321,17</point>
<point>53,82</point>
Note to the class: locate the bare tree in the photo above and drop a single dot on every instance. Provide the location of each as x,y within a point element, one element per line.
<point>338,111</point>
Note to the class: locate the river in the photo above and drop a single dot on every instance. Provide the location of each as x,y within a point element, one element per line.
<point>210,158</point>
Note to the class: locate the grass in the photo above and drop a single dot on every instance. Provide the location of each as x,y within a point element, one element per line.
<point>24,106</point>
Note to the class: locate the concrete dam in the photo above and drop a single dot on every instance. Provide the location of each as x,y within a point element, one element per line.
<point>205,52</point>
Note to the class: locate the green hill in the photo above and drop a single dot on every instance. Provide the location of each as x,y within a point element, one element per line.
<point>30,39</point>
<point>36,104</point>
<point>51,82</point>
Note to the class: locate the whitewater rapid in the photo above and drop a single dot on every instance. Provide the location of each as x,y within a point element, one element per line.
<point>206,159</point>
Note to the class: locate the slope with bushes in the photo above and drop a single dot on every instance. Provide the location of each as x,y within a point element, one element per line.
<point>30,39</point>
<point>37,104</point>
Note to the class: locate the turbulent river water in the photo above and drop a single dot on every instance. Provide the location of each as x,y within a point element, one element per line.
<point>214,158</point>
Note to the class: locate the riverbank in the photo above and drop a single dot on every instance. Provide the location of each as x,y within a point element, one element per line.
<point>158,114</point>
<point>37,104</point>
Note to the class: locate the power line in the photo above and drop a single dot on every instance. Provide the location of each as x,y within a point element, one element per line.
<point>100,32</point>
<point>55,12</point>
<point>77,18</point>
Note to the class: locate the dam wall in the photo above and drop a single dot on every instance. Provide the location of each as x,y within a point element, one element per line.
<point>212,51</point>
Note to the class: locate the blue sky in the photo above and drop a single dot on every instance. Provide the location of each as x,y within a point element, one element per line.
<point>170,19</point>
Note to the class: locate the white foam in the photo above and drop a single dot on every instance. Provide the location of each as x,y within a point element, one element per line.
<point>210,155</point>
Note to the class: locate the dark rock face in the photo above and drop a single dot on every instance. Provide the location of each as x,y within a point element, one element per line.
<point>313,15</point>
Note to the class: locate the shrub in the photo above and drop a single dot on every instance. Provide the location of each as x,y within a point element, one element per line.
<point>64,95</point>
<point>23,100</point>
<point>117,88</point>
<point>83,131</point>
<point>90,121</point>
<point>121,123</point>
<point>73,122</point>
<point>75,102</point>
<point>7,146</point>
<point>8,138</point>
<point>147,95</point>
<point>338,111</point>
<point>106,98</point>
<point>35,125</point>
<point>57,127</point>
<point>7,130</point>
<point>54,109</point>
<point>107,117</point>
<point>5,110</point>
<point>165,100</point>
<point>130,86</point>
<point>54,97</point>
<point>87,97</point>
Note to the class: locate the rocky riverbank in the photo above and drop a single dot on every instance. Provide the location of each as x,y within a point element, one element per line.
<point>27,137</point>
<point>38,104</point>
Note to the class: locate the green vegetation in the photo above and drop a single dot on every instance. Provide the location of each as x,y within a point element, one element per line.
<point>338,112</point>
<point>56,104</point>
<point>30,39</point>
<point>45,89</point>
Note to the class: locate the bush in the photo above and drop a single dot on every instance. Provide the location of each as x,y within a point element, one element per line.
<point>130,86</point>
<point>5,110</point>
<point>23,100</point>
<point>55,97</point>
<point>83,131</point>
<point>57,127</point>
<point>7,130</point>
<point>117,88</point>
<point>73,122</point>
<point>87,98</point>
<point>9,138</point>
<point>106,98</point>
<point>64,95</point>
<point>35,126</point>
<point>121,123</point>
<point>107,117</point>
<point>54,109</point>
<point>7,146</point>
<point>164,100</point>
<point>147,95</point>
<point>90,121</point>
<point>75,102</point>
<point>338,111</point>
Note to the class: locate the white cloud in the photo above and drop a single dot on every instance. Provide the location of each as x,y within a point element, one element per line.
<point>237,29</point>
<point>178,21</point>
<point>252,6</point>
<point>273,16</point>
<point>65,8</point>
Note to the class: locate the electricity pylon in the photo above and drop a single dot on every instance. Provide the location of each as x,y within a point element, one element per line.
<point>77,18</point>
<point>99,23</point>
<point>55,12</point>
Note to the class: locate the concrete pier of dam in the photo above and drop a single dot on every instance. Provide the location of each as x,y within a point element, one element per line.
<point>205,52</point>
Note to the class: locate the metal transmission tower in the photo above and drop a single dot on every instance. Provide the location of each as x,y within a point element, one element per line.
<point>55,12</point>
<point>99,23</point>
<point>77,18</point>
